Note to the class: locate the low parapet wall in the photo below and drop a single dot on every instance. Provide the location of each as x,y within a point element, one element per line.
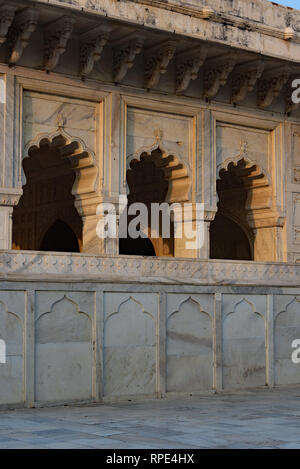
<point>90,328</point>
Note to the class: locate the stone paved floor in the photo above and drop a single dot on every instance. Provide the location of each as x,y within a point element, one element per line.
<point>256,419</point>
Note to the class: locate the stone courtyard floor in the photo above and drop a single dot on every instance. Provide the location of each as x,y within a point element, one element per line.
<point>256,419</point>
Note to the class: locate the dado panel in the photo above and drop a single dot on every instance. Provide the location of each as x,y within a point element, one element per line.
<point>190,342</point>
<point>64,346</point>
<point>12,322</point>
<point>130,344</point>
<point>244,341</point>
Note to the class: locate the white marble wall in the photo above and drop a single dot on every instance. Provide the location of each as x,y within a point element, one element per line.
<point>71,342</point>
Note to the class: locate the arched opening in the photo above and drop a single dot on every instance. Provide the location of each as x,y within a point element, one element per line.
<point>60,238</point>
<point>46,218</point>
<point>231,236</point>
<point>155,178</point>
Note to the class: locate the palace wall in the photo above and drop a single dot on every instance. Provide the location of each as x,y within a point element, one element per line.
<point>136,328</point>
<point>206,89</point>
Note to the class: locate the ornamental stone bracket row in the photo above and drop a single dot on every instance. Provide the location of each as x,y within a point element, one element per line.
<point>18,26</point>
<point>21,265</point>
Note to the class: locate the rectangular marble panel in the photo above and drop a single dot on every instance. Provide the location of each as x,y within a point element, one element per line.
<point>12,317</point>
<point>130,343</point>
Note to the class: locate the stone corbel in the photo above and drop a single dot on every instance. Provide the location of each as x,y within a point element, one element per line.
<point>158,61</point>
<point>9,198</point>
<point>19,34</point>
<point>124,56</point>
<point>56,38</point>
<point>217,73</point>
<point>7,14</point>
<point>91,48</point>
<point>245,78</point>
<point>270,86</point>
<point>188,67</point>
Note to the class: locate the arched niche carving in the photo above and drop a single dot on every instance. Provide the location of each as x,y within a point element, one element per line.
<point>171,175</point>
<point>82,159</point>
<point>246,201</point>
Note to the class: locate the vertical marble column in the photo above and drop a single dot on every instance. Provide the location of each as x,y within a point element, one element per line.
<point>8,199</point>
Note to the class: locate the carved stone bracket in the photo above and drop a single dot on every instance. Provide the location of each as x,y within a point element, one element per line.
<point>158,61</point>
<point>270,86</point>
<point>188,67</point>
<point>10,196</point>
<point>7,13</point>
<point>245,79</point>
<point>91,48</point>
<point>56,38</point>
<point>217,73</point>
<point>125,55</point>
<point>19,34</point>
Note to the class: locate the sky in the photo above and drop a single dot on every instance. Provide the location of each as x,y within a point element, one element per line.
<point>289,3</point>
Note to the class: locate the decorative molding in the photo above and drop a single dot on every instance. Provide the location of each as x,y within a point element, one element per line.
<point>20,33</point>
<point>290,105</point>
<point>245,78</point>
<point>125,54</point>
<point>10,197</point>
<point>7,14</point>
<point>297,174</point>
<point>217,73</point>
<point>91,48</point>
<point>56,38</point>
<point>188,66</point>
<point>270,86</point>
<point>135,270</point>
<point>158,61</point>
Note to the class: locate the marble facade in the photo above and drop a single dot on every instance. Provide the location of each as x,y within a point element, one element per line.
<point>199,89</point>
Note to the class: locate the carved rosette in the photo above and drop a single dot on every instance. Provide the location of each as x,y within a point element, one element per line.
<point>271,86</point>
<point>7,13</point>
<point>216,75</point>
<point>188,67</point>
<point>124,57</point>
<point>158,62</point>
<point>91,48</point>
<point>56,38</point>
<point>245,79</point>
<point>19,34</point>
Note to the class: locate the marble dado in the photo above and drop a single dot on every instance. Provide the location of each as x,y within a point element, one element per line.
<point>41,266</point>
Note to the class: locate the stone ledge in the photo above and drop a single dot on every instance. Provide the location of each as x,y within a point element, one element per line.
<point>29,266</point>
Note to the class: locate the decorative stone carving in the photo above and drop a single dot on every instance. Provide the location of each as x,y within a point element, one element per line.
<point>270,86</point>
<point>297,174</point>
<point>188,67</point>
<point>158,61</point>
<point>217,73</point>
<point>125,55</point>
<point>19,34</point>
<point>92,45</point>
<point>10,197</point>
<point>7,13</point>
<point>245,79</point>
<point>56,38</point>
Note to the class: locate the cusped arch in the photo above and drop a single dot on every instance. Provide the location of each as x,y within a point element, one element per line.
<point>296,301</point>
<point>244,168</point>
<point>168,167</point>
<point>61,301</point>
<point>250,305</point>
<point>73,149</point>
<point>128,301</point>
<point>190,301</point>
